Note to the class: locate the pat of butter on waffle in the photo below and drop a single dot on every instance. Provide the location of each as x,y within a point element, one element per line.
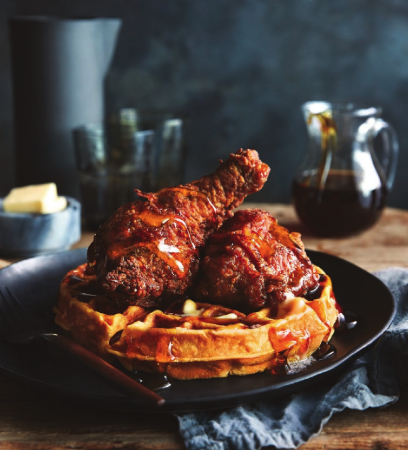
<point>34,199</point>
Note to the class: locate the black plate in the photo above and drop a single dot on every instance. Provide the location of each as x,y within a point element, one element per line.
<point>35,281</point>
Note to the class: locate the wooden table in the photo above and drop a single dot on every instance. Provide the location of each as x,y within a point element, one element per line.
<point>34,419</point>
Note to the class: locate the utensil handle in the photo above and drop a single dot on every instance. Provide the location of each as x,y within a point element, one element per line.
<point>127,384</point>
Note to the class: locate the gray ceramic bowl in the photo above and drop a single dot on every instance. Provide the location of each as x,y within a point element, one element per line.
<point>25,235</point>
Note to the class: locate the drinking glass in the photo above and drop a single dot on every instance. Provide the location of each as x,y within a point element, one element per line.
<point>170,149</point>
<point>113,159</point>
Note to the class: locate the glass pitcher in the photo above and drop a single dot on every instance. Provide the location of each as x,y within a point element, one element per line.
<point>343,184</point>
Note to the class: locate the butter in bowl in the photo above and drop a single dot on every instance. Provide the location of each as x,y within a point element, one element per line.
<point>34,220</point>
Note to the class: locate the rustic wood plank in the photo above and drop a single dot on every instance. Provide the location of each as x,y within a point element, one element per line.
<point>35,419</point>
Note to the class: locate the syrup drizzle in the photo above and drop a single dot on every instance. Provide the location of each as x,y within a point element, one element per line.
<point>316,293</point>
<point>176,258</point>
<point>346,321</point>
<point>164,350</point>
<point>153,381</point>
<point>281,365</point>
<point>73,280</point>
<point>153,219</point>
<point>86,292</point>
<point>116,337</point>
<point>325,351</point>
<point>183,223</point>
<point>171,255</point>
<point>84,297</point>
<point>186,191</point>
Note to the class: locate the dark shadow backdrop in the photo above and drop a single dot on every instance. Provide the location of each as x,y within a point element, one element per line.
<point>240,69</point>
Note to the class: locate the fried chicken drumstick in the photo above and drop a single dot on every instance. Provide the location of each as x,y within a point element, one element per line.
<point>148,252</point>
<point>252,262</point>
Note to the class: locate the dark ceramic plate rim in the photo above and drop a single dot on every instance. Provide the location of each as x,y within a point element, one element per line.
<point>280,386</point>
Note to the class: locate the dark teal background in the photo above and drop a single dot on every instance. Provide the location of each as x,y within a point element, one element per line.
<point>239,69</point>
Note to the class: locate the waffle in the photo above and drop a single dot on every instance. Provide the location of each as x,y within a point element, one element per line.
<point>194,340</point>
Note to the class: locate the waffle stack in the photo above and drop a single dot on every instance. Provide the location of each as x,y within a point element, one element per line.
<point>194,340</point>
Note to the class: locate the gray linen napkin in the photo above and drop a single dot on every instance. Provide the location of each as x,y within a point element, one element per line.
<point>371,381</point>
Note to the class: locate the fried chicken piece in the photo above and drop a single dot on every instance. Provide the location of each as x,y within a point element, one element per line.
<point>148,252</point>
<point>252,262</point>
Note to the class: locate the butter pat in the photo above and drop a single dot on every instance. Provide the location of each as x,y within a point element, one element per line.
<point>190,308</point>
<point>36,199</point>
<point>227,316</point>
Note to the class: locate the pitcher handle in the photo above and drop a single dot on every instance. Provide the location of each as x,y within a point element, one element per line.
<point>390,148</point>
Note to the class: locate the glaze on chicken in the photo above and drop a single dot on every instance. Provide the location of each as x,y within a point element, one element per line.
<point>252,262</point>
<point>147,253</point>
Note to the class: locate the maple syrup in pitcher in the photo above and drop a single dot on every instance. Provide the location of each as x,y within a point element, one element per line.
<point>341,208</point>
<point>342,187</point>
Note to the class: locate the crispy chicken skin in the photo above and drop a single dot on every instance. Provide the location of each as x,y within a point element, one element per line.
<point>148,252</point>
<point>252,262</point>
